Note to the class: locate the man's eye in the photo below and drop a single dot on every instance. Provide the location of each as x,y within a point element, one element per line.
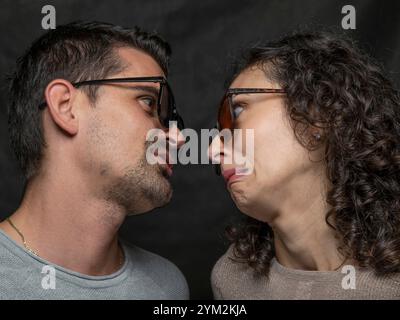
<point>148,101</point>
<point>237,110</point>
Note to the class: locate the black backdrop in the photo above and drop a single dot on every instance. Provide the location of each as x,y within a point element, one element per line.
<point>203,35</point>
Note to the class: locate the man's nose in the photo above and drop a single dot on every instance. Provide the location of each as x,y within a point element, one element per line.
<point>175,137</point>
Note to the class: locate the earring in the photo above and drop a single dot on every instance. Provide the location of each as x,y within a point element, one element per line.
<point>317,136</point>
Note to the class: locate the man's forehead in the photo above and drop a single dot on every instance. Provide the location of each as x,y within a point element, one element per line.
<point>137,63</point>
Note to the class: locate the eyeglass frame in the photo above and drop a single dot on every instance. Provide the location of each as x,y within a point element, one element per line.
<point>161,80</point>
<point>235,91</point>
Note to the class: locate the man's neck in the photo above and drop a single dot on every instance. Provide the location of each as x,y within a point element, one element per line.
<point>67,226</point>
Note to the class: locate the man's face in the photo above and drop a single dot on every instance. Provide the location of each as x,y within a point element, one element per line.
<point>113,139</point>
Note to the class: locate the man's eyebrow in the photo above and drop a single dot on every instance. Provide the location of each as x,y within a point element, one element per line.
<point>149,89</point>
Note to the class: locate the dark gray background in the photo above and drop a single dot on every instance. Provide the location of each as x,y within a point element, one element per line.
<point>203,35</point>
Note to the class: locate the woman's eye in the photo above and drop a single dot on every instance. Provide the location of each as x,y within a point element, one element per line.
<point>237,110</point>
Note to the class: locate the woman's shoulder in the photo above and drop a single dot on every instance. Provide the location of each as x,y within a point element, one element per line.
<point>228,273</point>
<point>227,262</point>
<point>379,286</point>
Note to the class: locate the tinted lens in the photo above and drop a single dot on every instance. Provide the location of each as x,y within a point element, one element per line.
<point>168,110</point>
<point>164,111</point>
<point>180,122</point>
<point>224,114</point>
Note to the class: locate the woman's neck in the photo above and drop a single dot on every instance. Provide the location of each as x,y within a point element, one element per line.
<point>302,237</point>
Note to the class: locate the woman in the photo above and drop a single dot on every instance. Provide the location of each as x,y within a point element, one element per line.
<point>323,194</point>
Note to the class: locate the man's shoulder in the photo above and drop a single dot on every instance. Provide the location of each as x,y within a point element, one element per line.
<point>143,258</point>
<point>161,270</point>
<point>11,255</point>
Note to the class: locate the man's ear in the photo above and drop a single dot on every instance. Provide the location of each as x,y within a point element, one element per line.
<point>60,95</point>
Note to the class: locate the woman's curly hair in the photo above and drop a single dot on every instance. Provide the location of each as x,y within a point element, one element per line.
<point>333,85</point>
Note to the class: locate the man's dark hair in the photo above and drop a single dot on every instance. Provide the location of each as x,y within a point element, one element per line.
<point>75,52</point>
<point>333,85</point>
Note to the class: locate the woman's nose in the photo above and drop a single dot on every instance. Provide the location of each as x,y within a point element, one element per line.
<point>216,150</point>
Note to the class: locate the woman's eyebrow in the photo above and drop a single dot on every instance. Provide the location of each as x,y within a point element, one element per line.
<point>248,98</point>
<point>240,98</point>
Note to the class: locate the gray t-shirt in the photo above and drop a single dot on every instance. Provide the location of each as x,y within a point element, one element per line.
<point>144,275</point>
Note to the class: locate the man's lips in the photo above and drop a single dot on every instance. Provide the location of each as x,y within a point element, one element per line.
<point>168,168</point>
<point>165,165</point>
<point>230,175</point>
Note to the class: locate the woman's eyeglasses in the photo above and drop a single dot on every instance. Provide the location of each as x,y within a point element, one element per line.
<point>225,113</point>
<point>226,117</point>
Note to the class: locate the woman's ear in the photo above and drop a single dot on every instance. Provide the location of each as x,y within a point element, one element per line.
<point>316,134</point>
<point>315,137</point>
<point>60,95</point>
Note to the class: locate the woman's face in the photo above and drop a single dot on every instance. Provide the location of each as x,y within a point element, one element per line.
<point>281,165</point>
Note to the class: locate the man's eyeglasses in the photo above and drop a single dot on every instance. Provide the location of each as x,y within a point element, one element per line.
<point>166,109</point>
<point>225,113</point>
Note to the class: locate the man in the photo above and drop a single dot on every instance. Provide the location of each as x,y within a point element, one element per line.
<point>82,147</point>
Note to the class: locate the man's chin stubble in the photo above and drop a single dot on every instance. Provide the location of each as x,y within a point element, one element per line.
<point>140,189</point>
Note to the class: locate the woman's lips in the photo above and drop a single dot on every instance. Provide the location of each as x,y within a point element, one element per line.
<point>231,176</point>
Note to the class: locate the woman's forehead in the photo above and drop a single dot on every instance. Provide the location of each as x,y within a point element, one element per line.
<point>252,77</point>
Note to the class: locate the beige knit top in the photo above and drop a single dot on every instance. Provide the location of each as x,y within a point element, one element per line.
<point>233,280</point>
